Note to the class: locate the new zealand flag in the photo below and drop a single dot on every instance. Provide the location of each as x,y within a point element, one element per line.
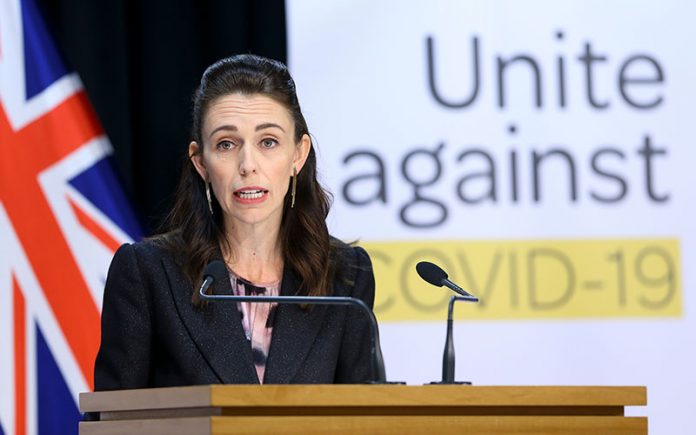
<point>62,216</point>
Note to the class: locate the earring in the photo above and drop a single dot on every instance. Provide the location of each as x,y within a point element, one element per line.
<point>210,200</point>
<point>294,187</point>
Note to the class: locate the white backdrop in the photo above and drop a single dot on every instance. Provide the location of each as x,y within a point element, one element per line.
<point>542,152</point>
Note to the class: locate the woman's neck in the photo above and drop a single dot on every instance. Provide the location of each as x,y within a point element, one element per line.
<point>255,253</point>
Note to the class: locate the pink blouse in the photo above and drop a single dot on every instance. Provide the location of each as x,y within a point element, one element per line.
<point>257,318</point>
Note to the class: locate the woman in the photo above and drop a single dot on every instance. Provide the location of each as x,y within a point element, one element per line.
<point>250,197</point>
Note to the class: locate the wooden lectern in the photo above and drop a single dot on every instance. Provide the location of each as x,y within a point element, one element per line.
<point>387,409</point>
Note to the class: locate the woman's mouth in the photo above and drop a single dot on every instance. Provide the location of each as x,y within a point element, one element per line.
<point>250,195</point>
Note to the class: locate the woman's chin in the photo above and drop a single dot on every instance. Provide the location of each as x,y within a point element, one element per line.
<point>253,217</point>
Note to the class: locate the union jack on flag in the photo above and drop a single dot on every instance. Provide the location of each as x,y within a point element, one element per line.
<point>62,216</point>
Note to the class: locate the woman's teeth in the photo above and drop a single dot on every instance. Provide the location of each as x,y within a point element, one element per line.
<point>250,194</point>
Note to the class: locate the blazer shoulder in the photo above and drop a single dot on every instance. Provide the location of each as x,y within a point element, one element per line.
<point>353,274</point>
<point>153,248</point>
<point>144,256</point>
<point>350,256</point>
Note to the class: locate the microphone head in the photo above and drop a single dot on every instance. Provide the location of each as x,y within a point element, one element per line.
<point>215,269</point>
<point>431,273</point>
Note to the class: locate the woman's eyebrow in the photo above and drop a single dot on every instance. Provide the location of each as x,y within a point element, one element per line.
<point>269,125</point>
<point>223,127</point>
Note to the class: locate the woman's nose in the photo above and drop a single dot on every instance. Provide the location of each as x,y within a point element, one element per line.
<point>247,160</point>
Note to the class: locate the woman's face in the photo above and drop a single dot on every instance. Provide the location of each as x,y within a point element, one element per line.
<point>248,155</point>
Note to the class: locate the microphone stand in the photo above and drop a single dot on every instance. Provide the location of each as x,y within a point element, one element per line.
<point>378,371</point>
<point>448,354</point>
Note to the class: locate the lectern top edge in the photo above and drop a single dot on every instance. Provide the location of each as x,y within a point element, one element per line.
<point>360,396</point>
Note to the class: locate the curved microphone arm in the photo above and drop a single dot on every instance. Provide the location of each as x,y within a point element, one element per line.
<point>378,371</point>
<point>448,355</point>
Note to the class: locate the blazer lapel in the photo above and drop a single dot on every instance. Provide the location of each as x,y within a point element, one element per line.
<point>294,332</point>
<point>215,328</point>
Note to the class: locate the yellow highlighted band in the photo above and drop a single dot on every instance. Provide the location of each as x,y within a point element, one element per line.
<point>532,279</point>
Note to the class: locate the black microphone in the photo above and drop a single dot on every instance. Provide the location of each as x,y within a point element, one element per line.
<point>436,276</point>
<point>217,268</point>
<point>212,269</point>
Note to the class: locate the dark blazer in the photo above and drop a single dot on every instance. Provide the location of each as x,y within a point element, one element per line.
<point>153,336</point>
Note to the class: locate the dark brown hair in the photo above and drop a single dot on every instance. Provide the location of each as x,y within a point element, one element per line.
<point>195,235</point>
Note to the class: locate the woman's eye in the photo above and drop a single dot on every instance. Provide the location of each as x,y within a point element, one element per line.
<point>269,143</point>
<point>224,145</point>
